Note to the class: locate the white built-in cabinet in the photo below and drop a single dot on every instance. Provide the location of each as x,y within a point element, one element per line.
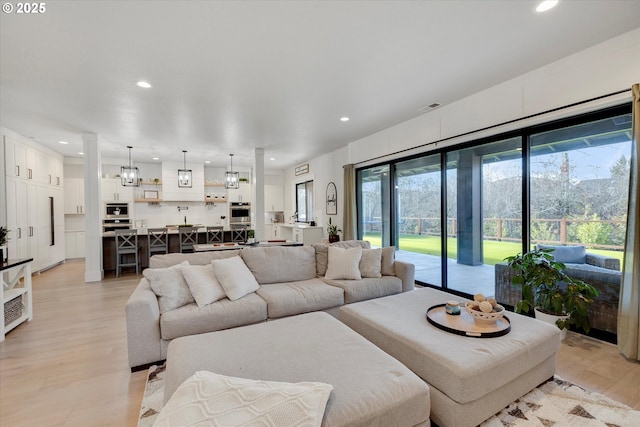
<point>35,204</point>
<point>112,190</point>
<point>74,196</point>
<point>74,244</point>
<point>273,198</point>
<point>242,194</point>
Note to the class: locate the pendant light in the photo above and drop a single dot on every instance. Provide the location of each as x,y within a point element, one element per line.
<point>231,178</point>
<point>129,174</point>
<point>184,175</point>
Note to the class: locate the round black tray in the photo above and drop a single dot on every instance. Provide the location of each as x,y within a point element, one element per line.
<point>463,324</point>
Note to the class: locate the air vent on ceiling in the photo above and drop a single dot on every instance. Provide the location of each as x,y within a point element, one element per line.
<point>429,107</point>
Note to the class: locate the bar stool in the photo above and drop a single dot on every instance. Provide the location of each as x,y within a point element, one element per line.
<point>239,233</point>
<point>215,234</point>
<point>157,241</point>
<point>127,245</point>
<point>188,238</point>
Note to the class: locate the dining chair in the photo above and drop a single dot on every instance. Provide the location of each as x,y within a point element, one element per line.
<point>188,238</point>
<point>215,234</point>
<point>126,246</point>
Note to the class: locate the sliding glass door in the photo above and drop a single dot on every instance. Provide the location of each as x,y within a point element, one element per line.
<point>484,212</point>
<point>418,222</point>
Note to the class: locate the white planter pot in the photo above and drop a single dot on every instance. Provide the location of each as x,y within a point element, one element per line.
<point>552,319</point>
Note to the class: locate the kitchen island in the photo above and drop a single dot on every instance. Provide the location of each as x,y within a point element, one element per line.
<point>301,233</point>
<point>109,246</point>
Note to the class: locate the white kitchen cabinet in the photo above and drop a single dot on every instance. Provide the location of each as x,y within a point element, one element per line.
<point>273,198</point>
<point>113,191</point>
<point>276,231</point>
<point>15,159</point>
<point>306,235</point>
<point>242,194</point>
<point>74,244</point>
<point>74,196</point>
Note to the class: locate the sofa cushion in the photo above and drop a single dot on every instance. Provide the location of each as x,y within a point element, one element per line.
<point>203,284</point>
<point>287,299</point>
<point>207,398</point>
<point>367,288</point>
<point>322,252</point>
<point>191,319</point>
<point>370,263</point>
<point>277,264</point>
<point>169,286</point>
<point>567,254</point>
<point>388,261</point>
<point>197,258</point>
<point>234,276</point>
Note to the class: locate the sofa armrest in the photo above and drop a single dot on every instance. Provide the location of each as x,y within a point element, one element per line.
<point>407,273</point>
<point>603,261</point>
<point>143,326</point>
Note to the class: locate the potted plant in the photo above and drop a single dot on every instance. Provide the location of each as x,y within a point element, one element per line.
<point>547,289</point>
<point>156,181</point>
<point>4,238</point>
<point>333,231</point>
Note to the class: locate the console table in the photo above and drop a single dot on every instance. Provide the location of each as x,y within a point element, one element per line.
<point>15,293</point>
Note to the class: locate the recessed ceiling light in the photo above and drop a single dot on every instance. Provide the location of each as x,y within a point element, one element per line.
<point>344,119</point>
<point>144,84</point>
<point>63,142</point>
<point>81,153</point>
<point>156,158</point>
<point>272,158</point>
<point>207,161</point>
<point>546,5</point>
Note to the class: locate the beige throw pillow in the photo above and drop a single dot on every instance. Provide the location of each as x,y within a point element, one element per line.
<point>209,399</point>
<point>388,258</point>
<point>170,287</point>
<point>235,277</point>
<point>344,263</point>
<point>203,284</point>
<point>370,263</point>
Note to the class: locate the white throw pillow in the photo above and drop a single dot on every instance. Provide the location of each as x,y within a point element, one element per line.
<point>344,263</point>
<point>235,277</point>
<point>170,287</point>
<point>370,263</point>
<point>203,284</point>
<point>208,399</point>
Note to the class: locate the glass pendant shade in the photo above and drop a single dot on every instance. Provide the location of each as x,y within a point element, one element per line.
<point>231,178</point>
<point>184,175</point>
<point>129,174</point>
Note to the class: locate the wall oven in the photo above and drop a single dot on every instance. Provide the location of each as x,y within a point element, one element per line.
<point>115,224</point>
<point>240,213</point>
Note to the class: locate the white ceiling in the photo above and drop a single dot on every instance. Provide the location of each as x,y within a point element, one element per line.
<point>230,76</point>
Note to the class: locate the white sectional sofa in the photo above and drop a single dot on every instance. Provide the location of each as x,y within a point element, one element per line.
<point>290,281</point>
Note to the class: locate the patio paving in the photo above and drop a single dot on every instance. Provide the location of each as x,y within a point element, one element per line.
<point>464,278</point>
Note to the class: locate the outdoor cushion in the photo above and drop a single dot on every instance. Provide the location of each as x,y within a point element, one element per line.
<point>567,254</point>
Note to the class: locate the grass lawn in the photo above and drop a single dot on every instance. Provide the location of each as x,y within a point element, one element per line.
<point>494,251</point>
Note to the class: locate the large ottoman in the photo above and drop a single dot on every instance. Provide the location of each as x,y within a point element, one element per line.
<point>470,379</point>
<point>370,388</point>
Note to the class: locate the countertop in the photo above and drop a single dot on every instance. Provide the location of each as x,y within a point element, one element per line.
<point>299,225</point>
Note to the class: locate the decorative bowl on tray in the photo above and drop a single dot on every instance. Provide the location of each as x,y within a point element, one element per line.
<point>485,317</point>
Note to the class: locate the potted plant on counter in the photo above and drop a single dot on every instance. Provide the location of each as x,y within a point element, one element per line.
<point>547,289</point>
<point>333,231</point>
<point>4,238</point>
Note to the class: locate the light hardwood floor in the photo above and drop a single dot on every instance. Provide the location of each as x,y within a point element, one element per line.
<point>68,367</point>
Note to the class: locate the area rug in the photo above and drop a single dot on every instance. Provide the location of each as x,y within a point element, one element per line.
<point>556,403</point>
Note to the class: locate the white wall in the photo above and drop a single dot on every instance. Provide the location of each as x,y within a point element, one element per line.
<point>602,69</point>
